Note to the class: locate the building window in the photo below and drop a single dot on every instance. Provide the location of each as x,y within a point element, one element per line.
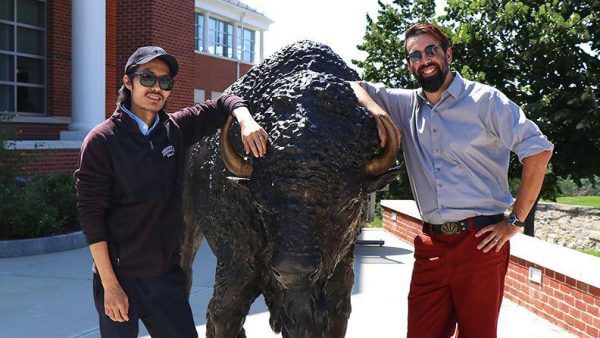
<point>220,37</point>
<point>199,31</point>
<point>245,50</point>
<point>199,95</point>
<point>215,95</point>
<point>23,56</point>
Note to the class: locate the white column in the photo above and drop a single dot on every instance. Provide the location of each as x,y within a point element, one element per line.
<point>262,46</point>
<point>235,39</point>
<point>88,67</point>
<point>205,37</point>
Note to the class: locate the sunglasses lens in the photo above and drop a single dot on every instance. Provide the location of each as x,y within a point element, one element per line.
<point>431,50</point>
<point>147,80</point>
<point>166,83</point>
<point>414,56</point>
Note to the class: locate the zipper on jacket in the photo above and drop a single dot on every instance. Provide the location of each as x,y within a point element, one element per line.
<point>162,197</point>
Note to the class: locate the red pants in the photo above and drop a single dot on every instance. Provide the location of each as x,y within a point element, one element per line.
<point>462,285</point>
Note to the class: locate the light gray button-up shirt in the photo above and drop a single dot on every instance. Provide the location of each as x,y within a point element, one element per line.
<point>457,151</point>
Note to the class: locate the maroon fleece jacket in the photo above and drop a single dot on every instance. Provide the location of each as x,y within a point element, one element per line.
<point>129,186</point>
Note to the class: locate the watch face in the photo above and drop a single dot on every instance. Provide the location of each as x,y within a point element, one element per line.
<point>512,219</point>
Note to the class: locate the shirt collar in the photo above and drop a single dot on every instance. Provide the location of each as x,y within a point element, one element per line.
<point>456,85</point>
<point>144,129</point>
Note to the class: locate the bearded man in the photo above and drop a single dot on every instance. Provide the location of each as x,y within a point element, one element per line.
<point>457,139</point>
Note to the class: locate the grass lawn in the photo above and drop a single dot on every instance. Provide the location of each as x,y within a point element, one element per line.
<point>592,252</point>
<point>590,201</point>
<point>375,224</point>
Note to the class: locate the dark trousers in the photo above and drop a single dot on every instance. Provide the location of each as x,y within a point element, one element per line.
<point>160,302</point>
<point>454,283</point>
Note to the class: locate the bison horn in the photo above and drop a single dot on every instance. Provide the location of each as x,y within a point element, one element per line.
<point>234,162</point>
<point>383,162</point>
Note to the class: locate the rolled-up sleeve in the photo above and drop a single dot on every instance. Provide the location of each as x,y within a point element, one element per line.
<point>519,134</point>
<point>379,94</point>
<point>397,102</point>
<point>93,183</point>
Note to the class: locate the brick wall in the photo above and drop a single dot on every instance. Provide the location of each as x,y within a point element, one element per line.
<point>403,227</point>
<point>562,300</point>
<point>58,80</point>
<point>51,161</point>
<point>569,303</point>
<point>165,23</point>
<point>35,131</point>
<point>113,75</point>
<point>215,74</point>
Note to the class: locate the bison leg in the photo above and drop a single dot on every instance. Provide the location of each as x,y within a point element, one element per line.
<point>192,237</point>
<point>339,292</point>
<point>236,287</point>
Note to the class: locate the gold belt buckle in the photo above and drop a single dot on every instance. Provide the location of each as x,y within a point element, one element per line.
<point>451,228</point>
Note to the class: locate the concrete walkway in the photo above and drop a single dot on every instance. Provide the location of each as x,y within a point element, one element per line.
<point>50,296</point>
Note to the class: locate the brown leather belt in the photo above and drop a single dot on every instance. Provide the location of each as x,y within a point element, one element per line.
<point>453,228</point>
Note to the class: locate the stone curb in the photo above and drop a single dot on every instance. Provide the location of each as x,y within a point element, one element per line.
<point>37,246</point>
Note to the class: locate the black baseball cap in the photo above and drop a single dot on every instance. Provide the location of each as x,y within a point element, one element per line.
<point>148,53</point>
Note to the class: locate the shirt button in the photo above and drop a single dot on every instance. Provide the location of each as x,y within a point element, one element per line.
<point>439,185</point>
<point>438,169</point>
<point>434,130</point>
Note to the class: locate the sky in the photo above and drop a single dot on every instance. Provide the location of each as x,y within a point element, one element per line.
<point>338,23</point>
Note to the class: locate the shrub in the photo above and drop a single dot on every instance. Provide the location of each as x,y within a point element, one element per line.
<point>42,206</point>
<point>586,187</point>
<point>32,207</point>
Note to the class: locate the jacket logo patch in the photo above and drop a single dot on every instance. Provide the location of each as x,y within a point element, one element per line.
<point>168,151</point>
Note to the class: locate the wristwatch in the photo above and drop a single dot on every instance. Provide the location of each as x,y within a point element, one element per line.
<point>512,219</point>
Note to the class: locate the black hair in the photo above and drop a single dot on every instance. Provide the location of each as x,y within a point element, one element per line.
<point>124,94</point>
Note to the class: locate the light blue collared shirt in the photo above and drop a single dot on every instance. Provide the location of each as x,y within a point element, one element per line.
<point>457,151</point>
<point>144,129</point>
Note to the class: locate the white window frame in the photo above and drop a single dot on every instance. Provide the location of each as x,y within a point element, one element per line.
<point>241,51</point>
<point>15,54</point>
<point>199,35</point>
<point>220,38</point>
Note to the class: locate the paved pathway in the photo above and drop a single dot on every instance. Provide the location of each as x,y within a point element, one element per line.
<point>50,296</point>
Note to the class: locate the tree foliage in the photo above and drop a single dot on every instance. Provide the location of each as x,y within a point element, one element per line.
<point>543,54</point>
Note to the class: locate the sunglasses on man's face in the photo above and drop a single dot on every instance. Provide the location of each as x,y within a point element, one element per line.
<point>430,51</point>
<point>165,82</point>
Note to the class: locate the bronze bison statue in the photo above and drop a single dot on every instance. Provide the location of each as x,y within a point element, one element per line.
<point>284,225</point>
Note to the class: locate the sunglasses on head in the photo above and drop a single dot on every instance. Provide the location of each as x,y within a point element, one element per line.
<point>165,82</point>
<point>430,51</point>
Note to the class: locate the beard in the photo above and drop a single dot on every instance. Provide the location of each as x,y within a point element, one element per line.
<point>432,84</point>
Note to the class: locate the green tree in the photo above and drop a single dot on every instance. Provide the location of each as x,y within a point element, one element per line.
<point>543,54</point>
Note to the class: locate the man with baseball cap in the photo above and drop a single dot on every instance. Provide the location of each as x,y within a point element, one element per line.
<point>129,188</point>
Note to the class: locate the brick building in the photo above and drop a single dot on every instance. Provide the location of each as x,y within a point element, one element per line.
<point>61,62</point>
